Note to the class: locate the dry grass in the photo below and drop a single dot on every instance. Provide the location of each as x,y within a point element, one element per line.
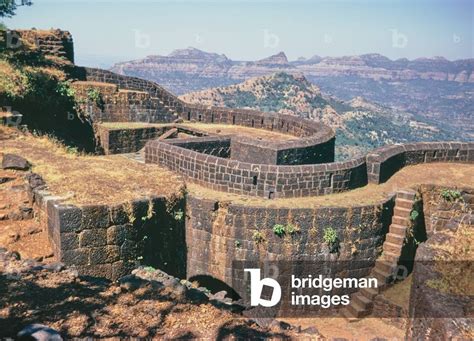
<point>399,293</point>
<point>226,129</point>
<point>442,174</point>
<point>91,179</point>
<point>132,125</point>
<point>219,129</point>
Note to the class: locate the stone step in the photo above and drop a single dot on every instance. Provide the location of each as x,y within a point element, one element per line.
<point>399,230</point>
<point>401,212</point>
<point>405,203</point>
<point>369,293</point>
<point>403,221</point>
<point>390,257</point>
<point>393,248</point>
<point>362,301</point>
<point>385,265</point>
<point>344,312</point>
<point>395,238</point>
<point>356,310</point>
<point>406,194</point>
<point>382,276</point>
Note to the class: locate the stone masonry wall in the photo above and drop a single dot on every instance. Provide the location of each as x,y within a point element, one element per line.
<point>218,233</point>
<point>246,150</point>
<point>109,241</point>
<point>218,146</point>
<point>383,162</point>
<point>267,181</point>
<point>118,105</point>
<point>314,145</point>
<point>51,43</point>
<point>119,141</point>
<point>270,181</point>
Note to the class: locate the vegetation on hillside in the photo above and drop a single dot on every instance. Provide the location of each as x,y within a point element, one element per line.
<point>36,87</point>
<point>359,125</point>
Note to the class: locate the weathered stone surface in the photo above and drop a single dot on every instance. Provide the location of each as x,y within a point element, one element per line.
<point>104,254</point>
<point>12,161</point>
<point>95,216</point>
<point>96,237</point>
<point>35,180</point>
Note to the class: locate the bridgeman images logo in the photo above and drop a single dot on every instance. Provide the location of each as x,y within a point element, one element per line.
<point>256,288</point>
<point>308,290</point>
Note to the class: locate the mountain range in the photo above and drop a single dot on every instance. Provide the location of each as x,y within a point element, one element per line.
<point>436,90</point>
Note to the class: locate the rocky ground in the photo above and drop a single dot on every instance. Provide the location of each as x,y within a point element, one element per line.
<point>41,297</point>
<point>146,304</point>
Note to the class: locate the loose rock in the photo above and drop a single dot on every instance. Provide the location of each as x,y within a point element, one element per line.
<point>12,161</point>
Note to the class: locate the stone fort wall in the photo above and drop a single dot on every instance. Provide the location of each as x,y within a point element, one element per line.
<point>151,103</point>
<point>218,233</point>
<point>271,181</point>
<point>111,240</point>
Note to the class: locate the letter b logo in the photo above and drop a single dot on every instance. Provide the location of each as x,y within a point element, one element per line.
<point>256,287</point>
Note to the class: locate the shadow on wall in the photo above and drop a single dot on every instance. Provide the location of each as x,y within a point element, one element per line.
<point>163,238</point>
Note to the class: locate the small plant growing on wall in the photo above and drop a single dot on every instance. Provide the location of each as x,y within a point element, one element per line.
<point>450,195</point>
<point>237,244</point>
<point>258,237</point>
<point>149,269</point>
<point>150,212</point>
<point>128,208</point>
<point>414,214</point>
<point>291,229</point>
<point>331,239</point>
<point>178,215</point>
<point>95,96</point>
<point>279,230</point>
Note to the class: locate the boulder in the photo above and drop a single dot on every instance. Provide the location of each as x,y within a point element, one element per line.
<point>12,161</point>
<point>39,332</point>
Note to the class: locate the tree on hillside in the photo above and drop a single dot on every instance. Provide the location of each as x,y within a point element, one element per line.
<point>8,7</point>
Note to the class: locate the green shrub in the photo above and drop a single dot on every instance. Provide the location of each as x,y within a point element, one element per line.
<point>331,239</point>
<point>450,194</point>
<point>279,230</point>
<point>95,96</point>
<point>414,214</point>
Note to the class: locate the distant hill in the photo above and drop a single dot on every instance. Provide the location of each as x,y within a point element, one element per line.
<point>435,89</point>
<point>360,125</point>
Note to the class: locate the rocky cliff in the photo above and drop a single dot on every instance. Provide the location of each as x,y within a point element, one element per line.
<point>202,65</point>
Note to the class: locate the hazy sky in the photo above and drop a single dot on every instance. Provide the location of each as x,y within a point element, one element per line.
<point>110,31</point>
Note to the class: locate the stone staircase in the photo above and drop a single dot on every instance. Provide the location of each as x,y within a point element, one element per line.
<point>362,301</point>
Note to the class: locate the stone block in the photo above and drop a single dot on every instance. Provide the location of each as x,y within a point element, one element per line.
<point>75,257</point>
<point>104,254</point>
<point>69,240</point>
<point>95,237</point>
<point>68,217</point>
<point>95,216</point>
